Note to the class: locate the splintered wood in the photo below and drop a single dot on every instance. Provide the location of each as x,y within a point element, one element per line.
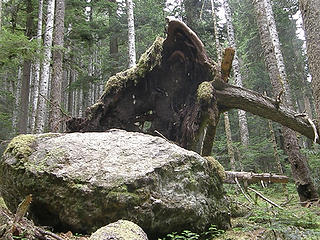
<point>226,63</point>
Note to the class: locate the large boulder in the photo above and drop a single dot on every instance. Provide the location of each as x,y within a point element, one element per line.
<point>82,181</point>
<point>120,230</point>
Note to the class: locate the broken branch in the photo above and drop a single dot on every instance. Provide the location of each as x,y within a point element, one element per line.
<point>226,63</point>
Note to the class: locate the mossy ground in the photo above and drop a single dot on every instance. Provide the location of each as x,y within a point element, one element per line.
<point>262,221</point>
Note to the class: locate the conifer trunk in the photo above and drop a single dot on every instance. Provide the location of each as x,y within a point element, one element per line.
<point>26,74</point>
<point>131,34</point>
<point>0,15</point>
<point>299,167</point>
<point>310,10</point>
<point>45,76</point>
<point>57,71</point>
<point>225,115</point>
<point>243,124</point>
<point>229,141</point>
<point>36,78</point>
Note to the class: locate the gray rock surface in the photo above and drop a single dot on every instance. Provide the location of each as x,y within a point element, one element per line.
<point>120,230</point>
<point>82,181</point>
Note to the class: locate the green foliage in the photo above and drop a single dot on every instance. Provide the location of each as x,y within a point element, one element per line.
<point>212,232</point>
<point>14,48</point>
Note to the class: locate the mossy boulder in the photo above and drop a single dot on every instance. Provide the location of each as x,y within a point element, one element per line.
<point>120,230</point>
<point>82,181</point>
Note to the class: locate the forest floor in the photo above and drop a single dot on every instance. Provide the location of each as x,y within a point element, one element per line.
<point>255,220</point>
<point>261,220</point>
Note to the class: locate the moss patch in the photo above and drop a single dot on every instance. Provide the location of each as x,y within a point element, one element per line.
<point>150,59</point>
<point>217,166</point>
<point>205,92</point>
<point>21,146</point>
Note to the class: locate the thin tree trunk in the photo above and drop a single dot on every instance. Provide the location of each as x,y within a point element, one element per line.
<point>225,115</point>
<point>243,124</point>
<point>25,86</point>
<point>45,76</point>
<point>57,71</point>
<point>131,34</point>
<point>36,78</point>
<point>229,142</point>
<point>310,10</point>
<point>0,15</point>
<point>17,88</point>
<point>299,167</point>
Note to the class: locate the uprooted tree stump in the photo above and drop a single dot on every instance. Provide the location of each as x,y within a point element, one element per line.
<point>176,91</point>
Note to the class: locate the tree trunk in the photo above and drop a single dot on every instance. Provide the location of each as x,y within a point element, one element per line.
<point>299,167</point>
<point>57,71</point>
<point>229,142</point>
<point>310,10</point>
<point>45,76</point>
<point>37,70</point>
<point>131,34</point>
<point>243,124</point>
<point>17,94</point>
<point>0,15</point>
<point>226,115</point>
<point>25,86</point>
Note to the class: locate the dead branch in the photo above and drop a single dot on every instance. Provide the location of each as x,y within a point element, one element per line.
<point>226,63</point>
<point>265,198</point>
<point>242,191</point>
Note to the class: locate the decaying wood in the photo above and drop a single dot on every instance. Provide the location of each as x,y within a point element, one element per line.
<point>250,177</point>
<point>226,63</point>
<point>168,91</point>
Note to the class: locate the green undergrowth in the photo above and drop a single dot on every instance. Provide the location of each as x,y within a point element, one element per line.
<point>260,220</point>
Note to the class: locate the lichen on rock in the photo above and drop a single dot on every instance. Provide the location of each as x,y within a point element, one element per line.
<point>120,230</point>
<point>98,178</point>
<point>21,146</point>
<point>216,166</point>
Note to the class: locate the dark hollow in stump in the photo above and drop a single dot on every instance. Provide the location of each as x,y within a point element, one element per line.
<point>169,92</point>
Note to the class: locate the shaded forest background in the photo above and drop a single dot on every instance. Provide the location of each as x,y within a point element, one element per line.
<point>95,47</point>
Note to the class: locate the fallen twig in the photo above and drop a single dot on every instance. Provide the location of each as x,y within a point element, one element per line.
<point>265,198</point>
<point>239,186</point>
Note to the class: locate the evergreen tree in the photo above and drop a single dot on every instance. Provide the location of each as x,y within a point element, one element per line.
<point>310,10</point>
<point>299,167</point>
<point>57,71</point>
<point>45,76</point>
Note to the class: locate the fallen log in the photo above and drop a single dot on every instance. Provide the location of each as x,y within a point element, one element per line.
<point>251,177</point>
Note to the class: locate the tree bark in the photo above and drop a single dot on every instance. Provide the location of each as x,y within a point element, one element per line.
<point>131,34</point>
<point>250,101</point>
<point>0,15</point>
<point>26,74</point>
<point>229,142</point>
<point>243,124</point>
<point>57,71</point>
<point>299,167</point>
<point>45,76</point>
<point>310,10</point>
<point>37,70</point>
<point>225,115</point>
